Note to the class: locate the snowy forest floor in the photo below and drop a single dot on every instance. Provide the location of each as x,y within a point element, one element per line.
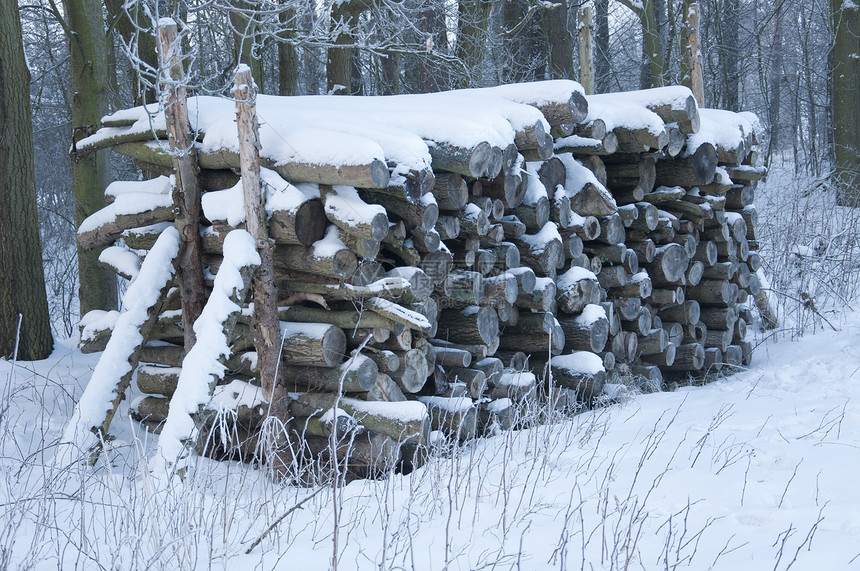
<point>755,471</point>
<point>749,472</point>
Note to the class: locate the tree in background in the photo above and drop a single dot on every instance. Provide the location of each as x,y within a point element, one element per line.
<point>560,40</point>
<point>471,43</point>
<point>602,58</point>
<point>89,50</point>
<point>846,100</point>
<point>244,26</point>
<point>432,76</point>
<point>729,50</point>
<point>131,23</point>
<point>288,54</point>
<point>341,57</point>
<point>22,280</point>
<point>653,65</point>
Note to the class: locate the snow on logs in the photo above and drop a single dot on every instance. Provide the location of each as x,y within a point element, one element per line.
<point>426,245</point>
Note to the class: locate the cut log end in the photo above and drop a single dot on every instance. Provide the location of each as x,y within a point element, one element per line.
<point>705,163</point>
<point>578,106</point>
<point>310,222</point>
<point>379,174</point>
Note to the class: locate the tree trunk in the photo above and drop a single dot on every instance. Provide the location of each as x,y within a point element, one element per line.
<point>22,281</point>
<point>90,174</point>
<point>729,55</point>
<point>339,66</point>
<point>288,55</point>
<point>560,42</point>
<point>433,76</point>
<point>473,19</point>
<point>775,74</point>
<point>132,25</point>
<point>389,63</point>
<point>602,62</point>
<point>652,50</point>
<point>244,28</point>
<point>846,101</point>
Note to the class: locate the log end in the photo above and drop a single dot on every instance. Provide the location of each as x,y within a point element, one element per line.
<point>345,263</point>
<point>379,174</point>
<point>578,106</point>
<point>480,158</point>
<point>365,371</point>
<point>379,226</point>
<point>705,163</point>
<point>334,346</point>
<point>458,191</point>
<point>311,222</point>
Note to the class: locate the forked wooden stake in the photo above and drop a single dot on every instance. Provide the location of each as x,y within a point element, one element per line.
<point>186,190</point>
<point>586,52</point>
<point>694,53</point>
<point>267,333</point>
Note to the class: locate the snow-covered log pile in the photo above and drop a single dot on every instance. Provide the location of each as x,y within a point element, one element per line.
<point>463,241</point>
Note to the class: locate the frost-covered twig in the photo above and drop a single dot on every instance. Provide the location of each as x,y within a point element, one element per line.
<point>280,519</point>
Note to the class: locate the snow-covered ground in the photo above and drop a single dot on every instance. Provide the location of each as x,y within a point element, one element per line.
<point>755,471</point>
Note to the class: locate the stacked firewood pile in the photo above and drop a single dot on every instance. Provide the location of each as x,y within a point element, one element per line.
<point>444,261</point>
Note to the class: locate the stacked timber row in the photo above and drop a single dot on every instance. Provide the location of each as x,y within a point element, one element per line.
<point>437,255</point>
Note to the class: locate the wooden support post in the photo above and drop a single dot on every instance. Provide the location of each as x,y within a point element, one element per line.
<point>186,190</point>
<point>586,53</point>
<point>267,332</point>
<point>694,54</point>
<point>112,375</point>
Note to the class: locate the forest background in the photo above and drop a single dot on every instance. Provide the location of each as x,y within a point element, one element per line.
<point>794,63</point>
